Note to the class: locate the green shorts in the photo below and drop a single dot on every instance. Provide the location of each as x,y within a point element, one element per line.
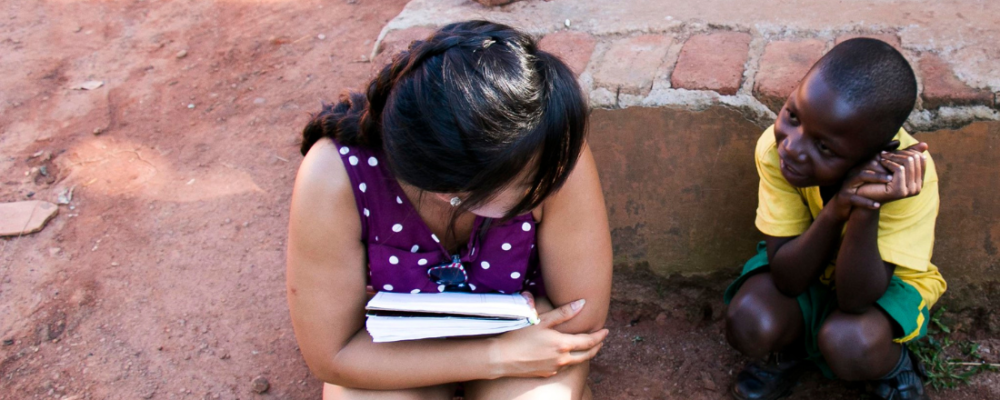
<point>901,302</point>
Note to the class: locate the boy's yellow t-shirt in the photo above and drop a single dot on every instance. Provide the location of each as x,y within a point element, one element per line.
<point>905,227</point>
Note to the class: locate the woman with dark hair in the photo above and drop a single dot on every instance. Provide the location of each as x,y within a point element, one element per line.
<point>463,167</point>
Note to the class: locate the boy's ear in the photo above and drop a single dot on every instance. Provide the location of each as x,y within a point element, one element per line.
<point>891,146</point>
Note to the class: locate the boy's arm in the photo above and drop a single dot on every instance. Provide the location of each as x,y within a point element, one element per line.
<point>862,277</point>
<point>797,261</point>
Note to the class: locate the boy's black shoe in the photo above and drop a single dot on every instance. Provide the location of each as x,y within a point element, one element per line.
<point>905,382</point>
<point>768,380</point>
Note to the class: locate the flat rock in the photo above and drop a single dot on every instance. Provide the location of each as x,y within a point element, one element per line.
<point>24,217</point>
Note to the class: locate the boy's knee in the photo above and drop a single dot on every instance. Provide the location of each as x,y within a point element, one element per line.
<point>750,328</point>
<point>853,350</point>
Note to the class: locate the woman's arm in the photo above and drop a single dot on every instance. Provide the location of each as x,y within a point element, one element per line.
<point>326,293</point>
<point>574,244</point>
<point>326,297</point>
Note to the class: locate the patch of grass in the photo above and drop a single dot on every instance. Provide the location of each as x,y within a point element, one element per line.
<point>936,350</point>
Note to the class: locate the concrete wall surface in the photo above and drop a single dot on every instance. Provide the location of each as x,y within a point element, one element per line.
<point>681,190</point>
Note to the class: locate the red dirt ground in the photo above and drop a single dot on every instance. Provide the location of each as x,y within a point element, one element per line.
<point>164,277</point>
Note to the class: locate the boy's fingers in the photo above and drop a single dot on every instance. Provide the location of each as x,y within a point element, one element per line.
<point>919,147</point>
<point>864,202</point>
<point>869,176</point>
<point>913,175</point>
<point>561,314</point>
<point>917,174</point>
<point>899,174</point>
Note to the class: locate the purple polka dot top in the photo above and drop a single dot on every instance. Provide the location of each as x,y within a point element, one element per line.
<point>402,250</point>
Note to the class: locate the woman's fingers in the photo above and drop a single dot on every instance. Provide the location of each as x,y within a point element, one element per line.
<point>561,314</point>
<point>585,341</point>
<point>581,356</point>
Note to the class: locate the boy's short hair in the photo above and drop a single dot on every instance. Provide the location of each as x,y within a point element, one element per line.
<point>874,77</point>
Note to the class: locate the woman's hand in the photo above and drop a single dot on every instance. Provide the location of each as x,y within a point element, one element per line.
<point>541,351</point>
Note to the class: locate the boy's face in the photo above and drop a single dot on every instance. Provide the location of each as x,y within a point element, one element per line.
<point>820,137</point>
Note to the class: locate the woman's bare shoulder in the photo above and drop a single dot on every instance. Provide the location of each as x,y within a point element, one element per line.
<point>322,170</point>
<point>322,200</point>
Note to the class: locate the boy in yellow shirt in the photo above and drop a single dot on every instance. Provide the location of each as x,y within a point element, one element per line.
<point>844,276</point>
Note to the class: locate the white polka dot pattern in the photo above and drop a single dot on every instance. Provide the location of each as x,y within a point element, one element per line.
<point>510,268</point>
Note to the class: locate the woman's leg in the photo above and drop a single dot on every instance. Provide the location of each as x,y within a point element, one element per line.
<point>568,384</point>
<point>334,392</point>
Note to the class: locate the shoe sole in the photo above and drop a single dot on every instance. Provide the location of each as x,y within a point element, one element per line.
<point>738,396</point>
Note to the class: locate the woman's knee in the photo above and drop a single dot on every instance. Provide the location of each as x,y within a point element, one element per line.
<point>569,384</point>
<point>333,392</point>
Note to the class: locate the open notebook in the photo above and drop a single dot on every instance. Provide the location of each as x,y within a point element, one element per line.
<point>402,316</point>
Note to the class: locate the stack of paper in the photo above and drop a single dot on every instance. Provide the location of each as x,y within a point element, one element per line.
<point>400,316</point>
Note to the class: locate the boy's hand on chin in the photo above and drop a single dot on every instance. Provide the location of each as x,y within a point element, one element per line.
<point>907,169</point>
<point>871,175</point>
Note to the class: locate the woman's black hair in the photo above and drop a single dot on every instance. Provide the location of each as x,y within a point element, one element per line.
<point>467,110</point>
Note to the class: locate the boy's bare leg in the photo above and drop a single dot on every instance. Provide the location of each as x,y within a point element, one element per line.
<point>761,320</point>
<point>859,346</point>
<point>334,392</point>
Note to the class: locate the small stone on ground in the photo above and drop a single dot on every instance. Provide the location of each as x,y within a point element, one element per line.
<point>260,384</point>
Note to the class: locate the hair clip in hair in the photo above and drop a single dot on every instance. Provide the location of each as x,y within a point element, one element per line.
<point>488,42</point>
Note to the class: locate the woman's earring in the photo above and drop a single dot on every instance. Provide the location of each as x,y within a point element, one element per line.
<point>455,201</point>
